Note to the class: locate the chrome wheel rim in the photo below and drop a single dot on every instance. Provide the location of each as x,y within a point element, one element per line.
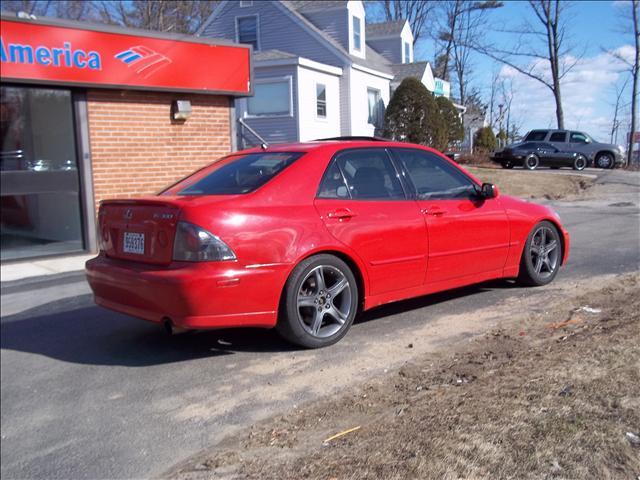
<point>532,162</point>
<point>581,163</point>
<point>324,301</point>
<point>544,252</point>
<point>604,161</point>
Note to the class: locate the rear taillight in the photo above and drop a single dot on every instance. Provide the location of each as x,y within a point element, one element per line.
<point>195,244</point>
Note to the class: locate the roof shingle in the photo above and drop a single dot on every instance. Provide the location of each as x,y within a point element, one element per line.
<point>384,29</point>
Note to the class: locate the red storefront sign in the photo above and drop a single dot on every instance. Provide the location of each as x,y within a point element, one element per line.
<point>74,56</point>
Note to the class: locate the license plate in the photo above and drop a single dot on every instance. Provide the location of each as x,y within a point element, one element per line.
<point>133,243</point>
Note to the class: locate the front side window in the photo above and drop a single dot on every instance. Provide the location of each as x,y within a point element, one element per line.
<point>235,175</point>
<point>433,177</point>
<point>321,100</point>
<point>558,137</point>
<point>577,137</point>
<point>375,106</point>
<point>367,174</point>
<point>270,98</point>
<point>407,52</point>
<point>247,28</point>
<point>357,34</point>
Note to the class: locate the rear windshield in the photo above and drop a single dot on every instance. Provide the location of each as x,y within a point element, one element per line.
<point>234,175</point>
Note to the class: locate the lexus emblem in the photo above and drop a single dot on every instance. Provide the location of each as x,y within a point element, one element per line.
<point>128,214</point>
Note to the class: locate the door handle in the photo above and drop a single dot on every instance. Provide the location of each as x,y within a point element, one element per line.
<point>435,213</point>
<point>341,213</point>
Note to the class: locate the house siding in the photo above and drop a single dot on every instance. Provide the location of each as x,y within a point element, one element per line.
<point>310,126</point>
<point>334,23</point>
<point>274,129</point>
<point>277,30</point>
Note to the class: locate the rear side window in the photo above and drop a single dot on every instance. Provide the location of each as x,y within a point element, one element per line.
<point>536,136</point>
<point>433,177</point>
<point>361,175</point>
<point>236,174</point>
<point>558,137</point>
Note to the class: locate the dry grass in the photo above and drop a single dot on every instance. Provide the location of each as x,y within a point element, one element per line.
<point>526,184</point>
<point>533,400</point>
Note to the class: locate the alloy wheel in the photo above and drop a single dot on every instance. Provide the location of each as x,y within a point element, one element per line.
<point>544,252</point>
<point>324,301</point>
<point>604,161</point>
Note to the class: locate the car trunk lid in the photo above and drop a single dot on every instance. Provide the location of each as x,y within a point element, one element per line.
<point>140,230</point>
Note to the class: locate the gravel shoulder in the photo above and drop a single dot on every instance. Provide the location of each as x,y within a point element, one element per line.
<point>547,391</point>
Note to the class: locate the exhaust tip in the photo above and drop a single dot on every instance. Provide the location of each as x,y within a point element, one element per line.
<point>171,328</point>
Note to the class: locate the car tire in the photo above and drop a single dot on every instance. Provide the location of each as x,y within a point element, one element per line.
<point>580,163</point>
<point>531,162</point>
<point>319,302</point>
<point>604,160</point>
<point>539,266</point>
<point>507,165</point>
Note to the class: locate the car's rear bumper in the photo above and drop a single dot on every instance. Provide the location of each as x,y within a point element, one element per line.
<point>191,295</point>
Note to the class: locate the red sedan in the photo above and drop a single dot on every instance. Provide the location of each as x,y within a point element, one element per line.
<point>302,237</point>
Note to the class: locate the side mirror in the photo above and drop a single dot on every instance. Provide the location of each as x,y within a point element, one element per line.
<point>488,190</point>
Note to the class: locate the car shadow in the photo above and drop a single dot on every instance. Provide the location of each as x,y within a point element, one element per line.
<point>86,334</point>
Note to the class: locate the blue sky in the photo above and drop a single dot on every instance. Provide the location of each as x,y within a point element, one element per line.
<point>589,90</point>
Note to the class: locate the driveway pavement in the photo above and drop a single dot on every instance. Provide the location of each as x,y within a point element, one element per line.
<point>87,393</point>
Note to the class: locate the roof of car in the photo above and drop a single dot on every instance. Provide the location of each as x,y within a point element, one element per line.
<point>348,142</point>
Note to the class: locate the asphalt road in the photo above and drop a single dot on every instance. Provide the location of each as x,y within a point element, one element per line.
<point>87,393</point>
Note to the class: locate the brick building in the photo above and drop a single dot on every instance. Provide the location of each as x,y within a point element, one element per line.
<point>91,112</point>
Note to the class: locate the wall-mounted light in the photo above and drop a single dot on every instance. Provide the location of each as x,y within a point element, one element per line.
<point>180,110</point>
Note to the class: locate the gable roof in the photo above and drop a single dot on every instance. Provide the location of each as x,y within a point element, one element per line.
<point>311,5</point>
<point>374,60</point>
<point>420,70</point>
<point>385,29</point>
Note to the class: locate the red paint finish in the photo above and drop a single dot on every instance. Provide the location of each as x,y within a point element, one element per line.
<point>399,248</point>
<point>68,56</point>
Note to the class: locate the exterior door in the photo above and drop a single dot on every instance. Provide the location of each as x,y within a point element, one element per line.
<point>467,235</point>
<point>363,204</point>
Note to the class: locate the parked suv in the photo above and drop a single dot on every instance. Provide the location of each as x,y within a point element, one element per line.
<point>601,155</point>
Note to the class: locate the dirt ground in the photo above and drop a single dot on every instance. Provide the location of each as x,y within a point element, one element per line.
<point>550,392</point>
<point>537,184</point>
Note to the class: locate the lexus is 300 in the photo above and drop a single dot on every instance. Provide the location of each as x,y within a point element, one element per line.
<point>303,237</point>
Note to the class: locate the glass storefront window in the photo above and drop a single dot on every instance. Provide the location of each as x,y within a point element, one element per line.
<point>40,185</point>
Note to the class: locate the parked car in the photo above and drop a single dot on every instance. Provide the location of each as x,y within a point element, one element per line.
<point>302,237</point>
<point>532,155</point>
<point>601,155</point>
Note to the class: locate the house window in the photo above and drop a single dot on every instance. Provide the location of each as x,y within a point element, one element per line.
<point>270,98</point>
<point>246,3</point>
<point>407,52</point>
<point>247,30</point>
<point>375,106</point>
<point>321,100</point>
<point>357,34</point>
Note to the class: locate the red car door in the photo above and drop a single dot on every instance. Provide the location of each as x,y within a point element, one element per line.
<point>468,235</point>
<point>363,205</point>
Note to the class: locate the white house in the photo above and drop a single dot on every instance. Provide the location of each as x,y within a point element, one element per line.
<point>319,69</point>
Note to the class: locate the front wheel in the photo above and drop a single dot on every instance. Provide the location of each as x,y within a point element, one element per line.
<point>541,256</point>
<point>531,162</point>
<point>320,302</point>
<point>580,163</point>
<point>507,164</point>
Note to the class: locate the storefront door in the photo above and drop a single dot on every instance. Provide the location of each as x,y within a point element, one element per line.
<point>40,184</point>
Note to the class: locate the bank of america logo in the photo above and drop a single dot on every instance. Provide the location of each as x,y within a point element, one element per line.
<point>143,60</point>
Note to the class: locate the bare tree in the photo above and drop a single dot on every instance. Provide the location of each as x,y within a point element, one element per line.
<point>544,41</point>
<point>417,12</point>
<point>180,16</point>
<point>634,73</point>
<point>615,124</point>
<point>462,23</point>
